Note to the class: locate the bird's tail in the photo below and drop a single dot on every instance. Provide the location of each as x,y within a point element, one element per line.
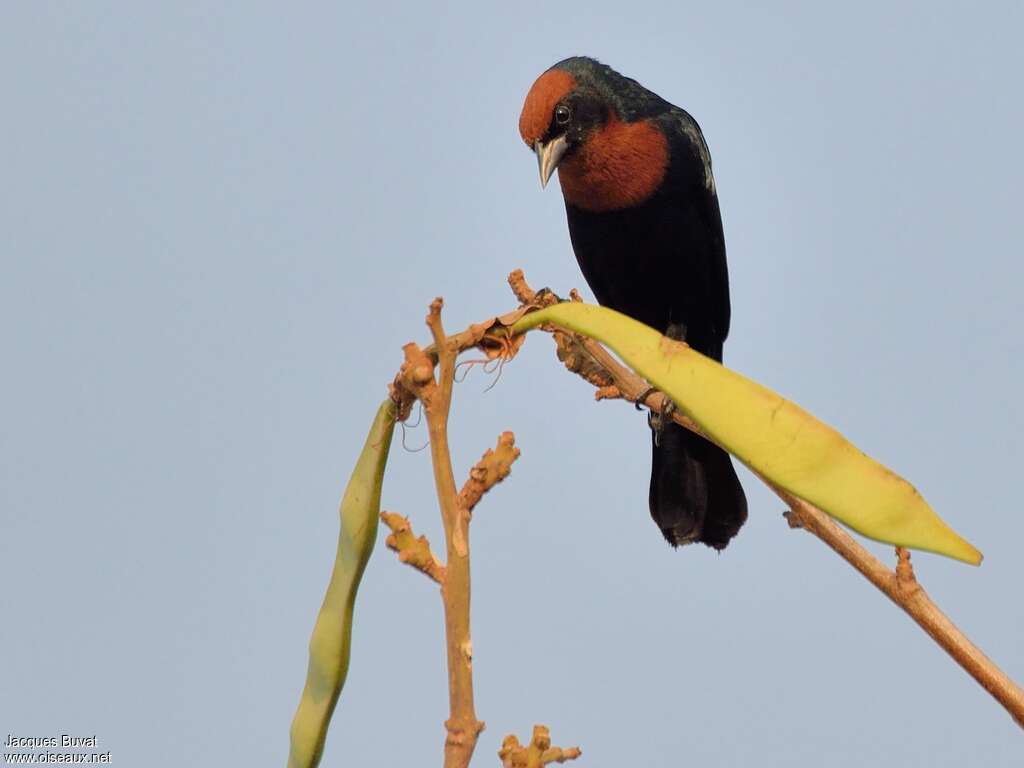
<point>695,494</point>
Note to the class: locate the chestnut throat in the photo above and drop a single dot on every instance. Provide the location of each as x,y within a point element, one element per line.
<point>620,166</point>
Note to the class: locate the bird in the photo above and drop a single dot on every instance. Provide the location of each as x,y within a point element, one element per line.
<point>646,229</point>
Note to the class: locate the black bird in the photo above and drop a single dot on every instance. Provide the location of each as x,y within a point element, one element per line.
<point>645,226</point>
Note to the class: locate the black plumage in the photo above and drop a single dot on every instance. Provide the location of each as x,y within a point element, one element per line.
<point>646,229</point>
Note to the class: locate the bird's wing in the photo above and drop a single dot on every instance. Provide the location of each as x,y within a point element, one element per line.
<point>705,240</point>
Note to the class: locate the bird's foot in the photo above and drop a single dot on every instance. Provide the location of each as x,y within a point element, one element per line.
<point>676,331</point>
<point>642,397</point>
<point>657,419</point>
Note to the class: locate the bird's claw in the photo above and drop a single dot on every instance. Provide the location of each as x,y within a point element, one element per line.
<point>643,397</point>
<point>657,419</point>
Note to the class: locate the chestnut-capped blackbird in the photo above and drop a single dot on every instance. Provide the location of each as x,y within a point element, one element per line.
<point>646,229</point>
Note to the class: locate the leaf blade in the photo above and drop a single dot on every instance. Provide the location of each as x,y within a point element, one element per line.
<point>775,437</point>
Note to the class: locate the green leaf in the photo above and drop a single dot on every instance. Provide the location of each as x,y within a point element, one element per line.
<point>332,635</point>
<point>773,436</point>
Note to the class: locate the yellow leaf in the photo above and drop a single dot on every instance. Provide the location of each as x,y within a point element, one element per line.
<point>332,634</point>
<point>773,436</point>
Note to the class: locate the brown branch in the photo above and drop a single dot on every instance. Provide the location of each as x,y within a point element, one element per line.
<point>902,588</point>
<point>906,581</point>
<point>492,468</point>
<point>416,379</point>
<point>537,753</point>
<point>492,336</point>
<point>591,360</point>
<point>523,292</point>
<point>412,551</point>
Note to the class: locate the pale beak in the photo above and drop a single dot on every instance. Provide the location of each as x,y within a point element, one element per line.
<point>549,156</point>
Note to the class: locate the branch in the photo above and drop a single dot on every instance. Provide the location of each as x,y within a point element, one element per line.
<point>592,361</point>
<point>537,753</point>
<point>492,336</point>
<point>416,380</point>
<point>902,588</point>
<point>492,468</point>
<point>412,551</point>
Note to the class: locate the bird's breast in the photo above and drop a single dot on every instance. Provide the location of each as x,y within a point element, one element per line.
<point>619,166</point>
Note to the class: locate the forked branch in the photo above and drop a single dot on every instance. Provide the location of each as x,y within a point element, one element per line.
<point>592,361</point>
<point>587,358</point>
<point>416,381</point>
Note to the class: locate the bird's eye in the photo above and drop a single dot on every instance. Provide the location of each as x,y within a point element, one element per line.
<point>562,114</point>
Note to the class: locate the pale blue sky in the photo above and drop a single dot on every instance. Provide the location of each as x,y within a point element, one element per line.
<point>220,222</point>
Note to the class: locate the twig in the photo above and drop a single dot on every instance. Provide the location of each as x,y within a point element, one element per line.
<point>417,378</point>
<point>900,585</point>
<point>492,468</point>
<point>412,551</point>
<point>416,381</point>
<point>537,753</point>
<point>492,336</point>
<point>597,365</point>
<point>463,726</point>
<point>902,588</point>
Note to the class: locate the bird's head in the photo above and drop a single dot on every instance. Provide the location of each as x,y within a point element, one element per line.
<point>596,127</point>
